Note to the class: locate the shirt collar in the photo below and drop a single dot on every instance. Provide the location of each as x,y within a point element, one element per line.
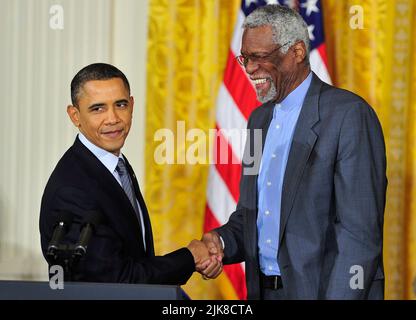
<point>108,159</point>
<point>296,97</point>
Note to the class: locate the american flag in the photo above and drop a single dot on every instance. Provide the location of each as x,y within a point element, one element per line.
<point>236,100</point>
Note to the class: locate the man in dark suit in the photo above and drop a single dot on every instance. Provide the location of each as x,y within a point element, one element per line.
<point>309,221</point>
<point>94,176</point>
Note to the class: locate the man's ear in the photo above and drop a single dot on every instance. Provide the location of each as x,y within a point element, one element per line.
<point>73,113</point>
<point>132,103</point>
<point>299,50</point>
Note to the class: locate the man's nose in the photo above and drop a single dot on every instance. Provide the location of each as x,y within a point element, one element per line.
<point>251,66</point>
<point>112,115</point>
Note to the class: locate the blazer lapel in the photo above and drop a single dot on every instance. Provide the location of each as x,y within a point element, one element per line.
<point>264,123</point>
<point>106,182</point>
<point>260,120</point>
<point>266,118</point>
<point>252,158</point>
<point>304,139</point>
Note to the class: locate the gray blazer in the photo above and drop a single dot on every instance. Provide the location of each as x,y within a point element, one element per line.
<point>333,201</point>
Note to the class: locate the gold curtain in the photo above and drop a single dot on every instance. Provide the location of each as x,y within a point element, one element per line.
<point>187,49</point>
<point>378,63</point>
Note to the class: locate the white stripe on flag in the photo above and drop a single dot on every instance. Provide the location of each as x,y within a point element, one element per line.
<point>238,32</point>
<point>219,198</point>
<point>230,119</point>
<point>318,66</point>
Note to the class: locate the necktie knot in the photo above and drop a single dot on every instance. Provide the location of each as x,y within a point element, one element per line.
<point>126,183</point>
<point>121,167</point>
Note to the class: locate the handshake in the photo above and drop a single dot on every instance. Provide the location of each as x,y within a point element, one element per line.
<point>208,254</point>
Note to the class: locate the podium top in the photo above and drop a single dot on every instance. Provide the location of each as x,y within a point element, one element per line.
<point>41,290</point>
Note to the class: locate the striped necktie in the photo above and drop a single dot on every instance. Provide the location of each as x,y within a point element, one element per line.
<point>128,189</point>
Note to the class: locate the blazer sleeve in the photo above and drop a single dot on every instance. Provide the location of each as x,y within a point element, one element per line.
<point>360,186</point>
<point>107,259</point>
<point>232,235</point>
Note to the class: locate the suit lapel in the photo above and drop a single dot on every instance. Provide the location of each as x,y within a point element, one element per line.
<point>106,182</point>
<point>266,118</point>
<point>263,123</point>
<point>259,120</point>
<point>252,158</point>
<point>304,139</point>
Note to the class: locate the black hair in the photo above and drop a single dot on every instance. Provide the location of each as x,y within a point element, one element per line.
<point>95,71</point>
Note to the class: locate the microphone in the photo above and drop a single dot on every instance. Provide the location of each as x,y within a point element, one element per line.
<point>92,220</point>
<point>63,224</point>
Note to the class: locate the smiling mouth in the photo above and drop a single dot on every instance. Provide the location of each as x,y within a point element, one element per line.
<point>259,81</point>
<point>262,85</point>
<point>113,133</point>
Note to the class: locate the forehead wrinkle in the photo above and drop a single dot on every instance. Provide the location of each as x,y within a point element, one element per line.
<point>257,40</point>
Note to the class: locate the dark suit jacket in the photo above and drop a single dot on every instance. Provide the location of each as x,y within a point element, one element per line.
<point>79,183</point>
<point>333,201</point>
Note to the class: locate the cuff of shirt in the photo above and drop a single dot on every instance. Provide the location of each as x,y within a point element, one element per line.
<point>222,242</point>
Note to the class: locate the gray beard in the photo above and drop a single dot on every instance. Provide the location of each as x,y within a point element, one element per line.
<point>270,95</point>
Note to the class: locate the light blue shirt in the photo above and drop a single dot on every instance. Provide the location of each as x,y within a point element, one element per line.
<point>272,169</point>
<point>110,161</point>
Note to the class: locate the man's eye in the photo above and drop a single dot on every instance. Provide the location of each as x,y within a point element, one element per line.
<point>122,105</point>
<point>258,57</point>
<point>96,109</point>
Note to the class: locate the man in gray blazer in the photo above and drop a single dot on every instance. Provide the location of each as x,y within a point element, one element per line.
<point>309,221</point>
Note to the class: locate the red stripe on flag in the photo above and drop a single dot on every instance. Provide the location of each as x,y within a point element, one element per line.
<point>322,53</point>
<point>227,164</point>
<point>234,272</point>
<point>239,86</point>
<point>236,275</point>
<point>210,221</point>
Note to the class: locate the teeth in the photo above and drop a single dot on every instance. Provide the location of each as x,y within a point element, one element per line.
<point>259,81</point>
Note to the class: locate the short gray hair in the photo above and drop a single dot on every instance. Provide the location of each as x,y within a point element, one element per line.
<point>288,26</point>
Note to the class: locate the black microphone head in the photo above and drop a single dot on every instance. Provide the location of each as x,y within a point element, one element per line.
<point>65,217</point>
<point>63,223</point>
<point>88,227</point>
